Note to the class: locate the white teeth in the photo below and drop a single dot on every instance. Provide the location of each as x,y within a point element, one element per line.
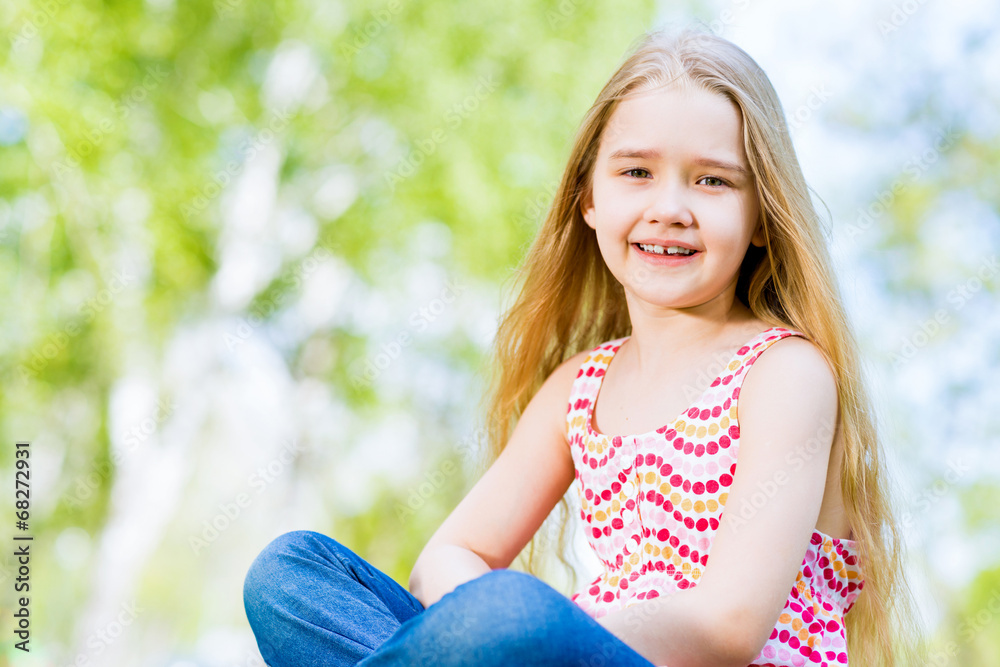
<point>672,250</point>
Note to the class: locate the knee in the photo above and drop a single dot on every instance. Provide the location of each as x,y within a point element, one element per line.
<point>500,606</point>
<point>276,564</point>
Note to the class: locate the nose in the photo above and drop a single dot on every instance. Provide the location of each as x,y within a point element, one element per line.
<point>669,203</point>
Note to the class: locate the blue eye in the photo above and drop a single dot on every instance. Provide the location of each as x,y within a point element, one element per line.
<point>718,181</point>
<point>630,172</point>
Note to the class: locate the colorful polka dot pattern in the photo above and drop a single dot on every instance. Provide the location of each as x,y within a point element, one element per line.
<point>651,504</point>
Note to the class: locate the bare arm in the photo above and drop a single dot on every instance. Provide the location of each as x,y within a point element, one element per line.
<point>505,508</point>
<point>788,405</point>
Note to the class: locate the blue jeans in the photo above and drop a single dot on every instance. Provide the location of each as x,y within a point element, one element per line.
<point>312,601</point>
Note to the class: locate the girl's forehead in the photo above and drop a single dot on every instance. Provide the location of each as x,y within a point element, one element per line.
<point>673,117</point>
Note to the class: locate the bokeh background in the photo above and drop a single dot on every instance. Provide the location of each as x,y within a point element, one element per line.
<point>253,253</point>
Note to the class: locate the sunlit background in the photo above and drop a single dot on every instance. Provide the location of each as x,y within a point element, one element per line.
<point>253,254</point>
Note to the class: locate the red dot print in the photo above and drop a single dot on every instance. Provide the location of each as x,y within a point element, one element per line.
<point>713,523</point>
<point>698,488</point>
<point>666,469</point>
<point>716,411</point>
<point>688,447</point>
<point>683,584</point>
<point>725,479</point>
<point>676,480</point>
<point>597,532</point>
<point>701,525</point>
<point>662,534</point>
<point>609,596</point>
<point>617,523</point>
<point>652,594</point>
<point>727,379</point>
<point>650,459</point>
<point>699,450</point>
<point>671,434</point>
<point>724,441</point>
<point>743,350</point>
<point>734,432</point>
<point>692,413</point>
<point>711,448</point>
<point>705,414</point>
<point>606,494</point>
<point>590,371</point>
<point>711,486</point>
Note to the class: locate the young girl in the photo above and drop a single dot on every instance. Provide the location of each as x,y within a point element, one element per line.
<point>752,529</point>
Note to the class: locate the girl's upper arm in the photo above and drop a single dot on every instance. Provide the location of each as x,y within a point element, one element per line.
<point>505,508</point>
<point>787,415</point>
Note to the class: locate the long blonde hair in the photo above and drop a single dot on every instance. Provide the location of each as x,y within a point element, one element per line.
<point>569,302</point>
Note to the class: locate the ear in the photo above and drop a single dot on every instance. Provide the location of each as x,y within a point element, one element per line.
<point>587,208</point>
<point>758,235</point>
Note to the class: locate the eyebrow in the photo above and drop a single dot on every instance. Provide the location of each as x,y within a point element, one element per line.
<point>649,154</point>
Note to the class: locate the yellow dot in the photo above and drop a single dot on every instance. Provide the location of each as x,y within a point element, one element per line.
<point>677,559</point>
<point>675,498</point>
<point>599,515</point>
<point>649,548</point>
<point>712,505</point>
<point>734,364</point>
<point>700,433</point>
<point>713,428</point>
<point>590,446</point>
<point>689,431</point>
<point>696,573</point>
<point>613,581</point>
<point>785,619</point>
<point>616,506</point>
<point>732,411</point>
<point>699,506</point>
<point>680,425</point>
<point>665,489</point>
<point>686,567</point>
<point>686,505</point>
<point>723,497</point>
<point>796,624</point>
<point>634,559</point>
<point>803,634</point>
<point>650,477</point>
<point>724,422</point>
<point>668,551</point>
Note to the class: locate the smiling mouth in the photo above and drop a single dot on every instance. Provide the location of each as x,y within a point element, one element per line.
<point>666,253</point>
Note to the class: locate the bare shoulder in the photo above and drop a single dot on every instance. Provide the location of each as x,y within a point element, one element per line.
<point>794,371</point>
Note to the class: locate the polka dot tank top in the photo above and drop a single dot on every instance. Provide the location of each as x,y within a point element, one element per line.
<point>651,503</point>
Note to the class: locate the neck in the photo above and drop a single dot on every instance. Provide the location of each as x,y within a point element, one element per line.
<point>663,338</point>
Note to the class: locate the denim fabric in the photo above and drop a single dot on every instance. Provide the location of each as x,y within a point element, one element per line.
<point>312,601</point>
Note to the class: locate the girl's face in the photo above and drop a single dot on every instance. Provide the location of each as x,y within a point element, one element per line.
<point>671,169</point>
